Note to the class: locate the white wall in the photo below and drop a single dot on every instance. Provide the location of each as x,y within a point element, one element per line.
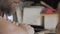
<point>51,21</point>
<point>32,15</point>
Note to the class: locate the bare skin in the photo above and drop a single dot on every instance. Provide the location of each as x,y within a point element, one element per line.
<point>6,27</point>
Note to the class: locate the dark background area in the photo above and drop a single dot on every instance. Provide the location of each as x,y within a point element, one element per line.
<point>52,3</point>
